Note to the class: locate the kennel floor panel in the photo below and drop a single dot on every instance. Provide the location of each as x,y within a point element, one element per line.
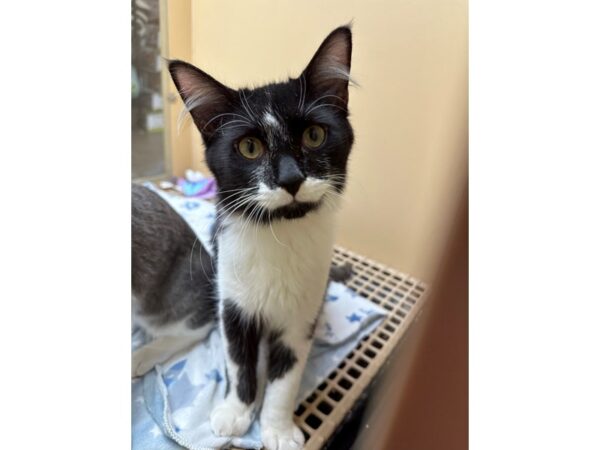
<point>402,296</point>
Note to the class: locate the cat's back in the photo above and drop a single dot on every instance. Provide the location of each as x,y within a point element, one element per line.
<point>156,229</point>
<point>172,273</point>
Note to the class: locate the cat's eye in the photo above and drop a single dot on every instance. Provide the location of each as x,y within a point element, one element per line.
<point>250,147</point>
<point>313,136</point>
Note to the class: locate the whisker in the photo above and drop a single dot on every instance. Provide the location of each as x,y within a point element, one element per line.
<point>226,114</point>
<point>314,108</point>
<point>223,200</point>
<point>274,235</point>
<point>228,126</point>
<point>192,257</point>
<point>322,97</point>
<point>302,93</point>
<point>247,107</point>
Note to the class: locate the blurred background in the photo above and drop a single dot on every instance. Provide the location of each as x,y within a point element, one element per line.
<point>409,113</point>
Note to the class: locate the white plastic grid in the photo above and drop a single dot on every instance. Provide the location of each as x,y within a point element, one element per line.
<point>402,296</point>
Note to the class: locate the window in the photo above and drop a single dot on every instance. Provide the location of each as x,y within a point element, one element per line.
<point>148,143</point>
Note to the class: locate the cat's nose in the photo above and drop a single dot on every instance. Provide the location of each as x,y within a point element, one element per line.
<point>290,176</point>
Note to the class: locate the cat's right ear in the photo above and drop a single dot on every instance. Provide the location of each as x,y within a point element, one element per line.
<point>203,96</point>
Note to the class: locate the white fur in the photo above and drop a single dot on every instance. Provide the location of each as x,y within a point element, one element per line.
<point>279,271</point>
<point>278,431</point>
<point>231,418</point>
<point>335,70</point>
<point>270,120</point>
<point>272,126</point>
<point>272,198</point>
<point>311,191</point>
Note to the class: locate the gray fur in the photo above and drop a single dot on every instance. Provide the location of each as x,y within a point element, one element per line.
<point>172,273</point>
<point>340,274</point>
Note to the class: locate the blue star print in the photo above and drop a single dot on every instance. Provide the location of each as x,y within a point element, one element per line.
<point>214,375</point>
<point>332,298</point>
<point>178,366</point>
<point>354,318</point>
<point>172,373</point>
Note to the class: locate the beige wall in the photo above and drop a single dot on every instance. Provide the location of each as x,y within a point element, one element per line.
<point>409,115</point>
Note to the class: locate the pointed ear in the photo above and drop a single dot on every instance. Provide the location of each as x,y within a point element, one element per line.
<point>203,96</point>
<point>329,70</point>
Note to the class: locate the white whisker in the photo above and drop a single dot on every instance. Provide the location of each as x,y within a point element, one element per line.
<point>192,257</point>
<point>247,107</point>
<point>244,118</point>
<point>314,108</point>
<point>273,233</point>
<point>322,97</point>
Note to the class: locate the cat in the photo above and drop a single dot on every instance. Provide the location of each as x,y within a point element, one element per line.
<point>279,154</point>
<point>173,281</point>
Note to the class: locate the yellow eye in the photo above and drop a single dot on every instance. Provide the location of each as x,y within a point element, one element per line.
<point>250,147</point>
<point>313,136</point>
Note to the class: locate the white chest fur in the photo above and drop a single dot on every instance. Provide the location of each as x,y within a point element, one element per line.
<point>278,271</point>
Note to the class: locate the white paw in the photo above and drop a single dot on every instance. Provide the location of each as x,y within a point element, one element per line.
<point>230,420</point>
<point>287,437</point>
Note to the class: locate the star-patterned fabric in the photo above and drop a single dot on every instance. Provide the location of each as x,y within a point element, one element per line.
<point>171,405</point>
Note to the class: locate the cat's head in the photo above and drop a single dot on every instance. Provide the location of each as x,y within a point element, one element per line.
<point>280,150</point>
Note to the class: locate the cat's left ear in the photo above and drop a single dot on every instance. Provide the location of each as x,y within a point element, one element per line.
<point>328,72</point>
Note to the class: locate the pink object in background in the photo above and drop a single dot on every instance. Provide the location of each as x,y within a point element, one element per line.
<point>197,185</point>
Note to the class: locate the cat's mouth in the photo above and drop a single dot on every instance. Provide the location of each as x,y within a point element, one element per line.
<point>275,203</point>
<point>294,210</point>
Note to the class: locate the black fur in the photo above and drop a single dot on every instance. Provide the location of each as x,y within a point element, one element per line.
<point>172,274</point>
<point>225,116</point>
<point>281,357</point>
<point>243,337</point>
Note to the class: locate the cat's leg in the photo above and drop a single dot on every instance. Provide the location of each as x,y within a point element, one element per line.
<point>165,346</point>
<point>288,352</point>
<point>241,335</point>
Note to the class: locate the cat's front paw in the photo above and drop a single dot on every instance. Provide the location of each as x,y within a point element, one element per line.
<point>281,437</point>
<point>228,419</point>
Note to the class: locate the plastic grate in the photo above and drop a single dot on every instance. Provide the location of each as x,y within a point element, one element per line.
<point>402,296</point>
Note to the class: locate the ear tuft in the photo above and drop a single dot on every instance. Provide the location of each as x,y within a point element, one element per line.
<point>203,96</point>
<point>329,70</point>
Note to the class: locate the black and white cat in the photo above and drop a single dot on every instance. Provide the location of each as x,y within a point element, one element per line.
<point>279,155</point>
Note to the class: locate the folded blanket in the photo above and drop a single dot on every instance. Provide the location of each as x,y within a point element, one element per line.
<point>171,405</point>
